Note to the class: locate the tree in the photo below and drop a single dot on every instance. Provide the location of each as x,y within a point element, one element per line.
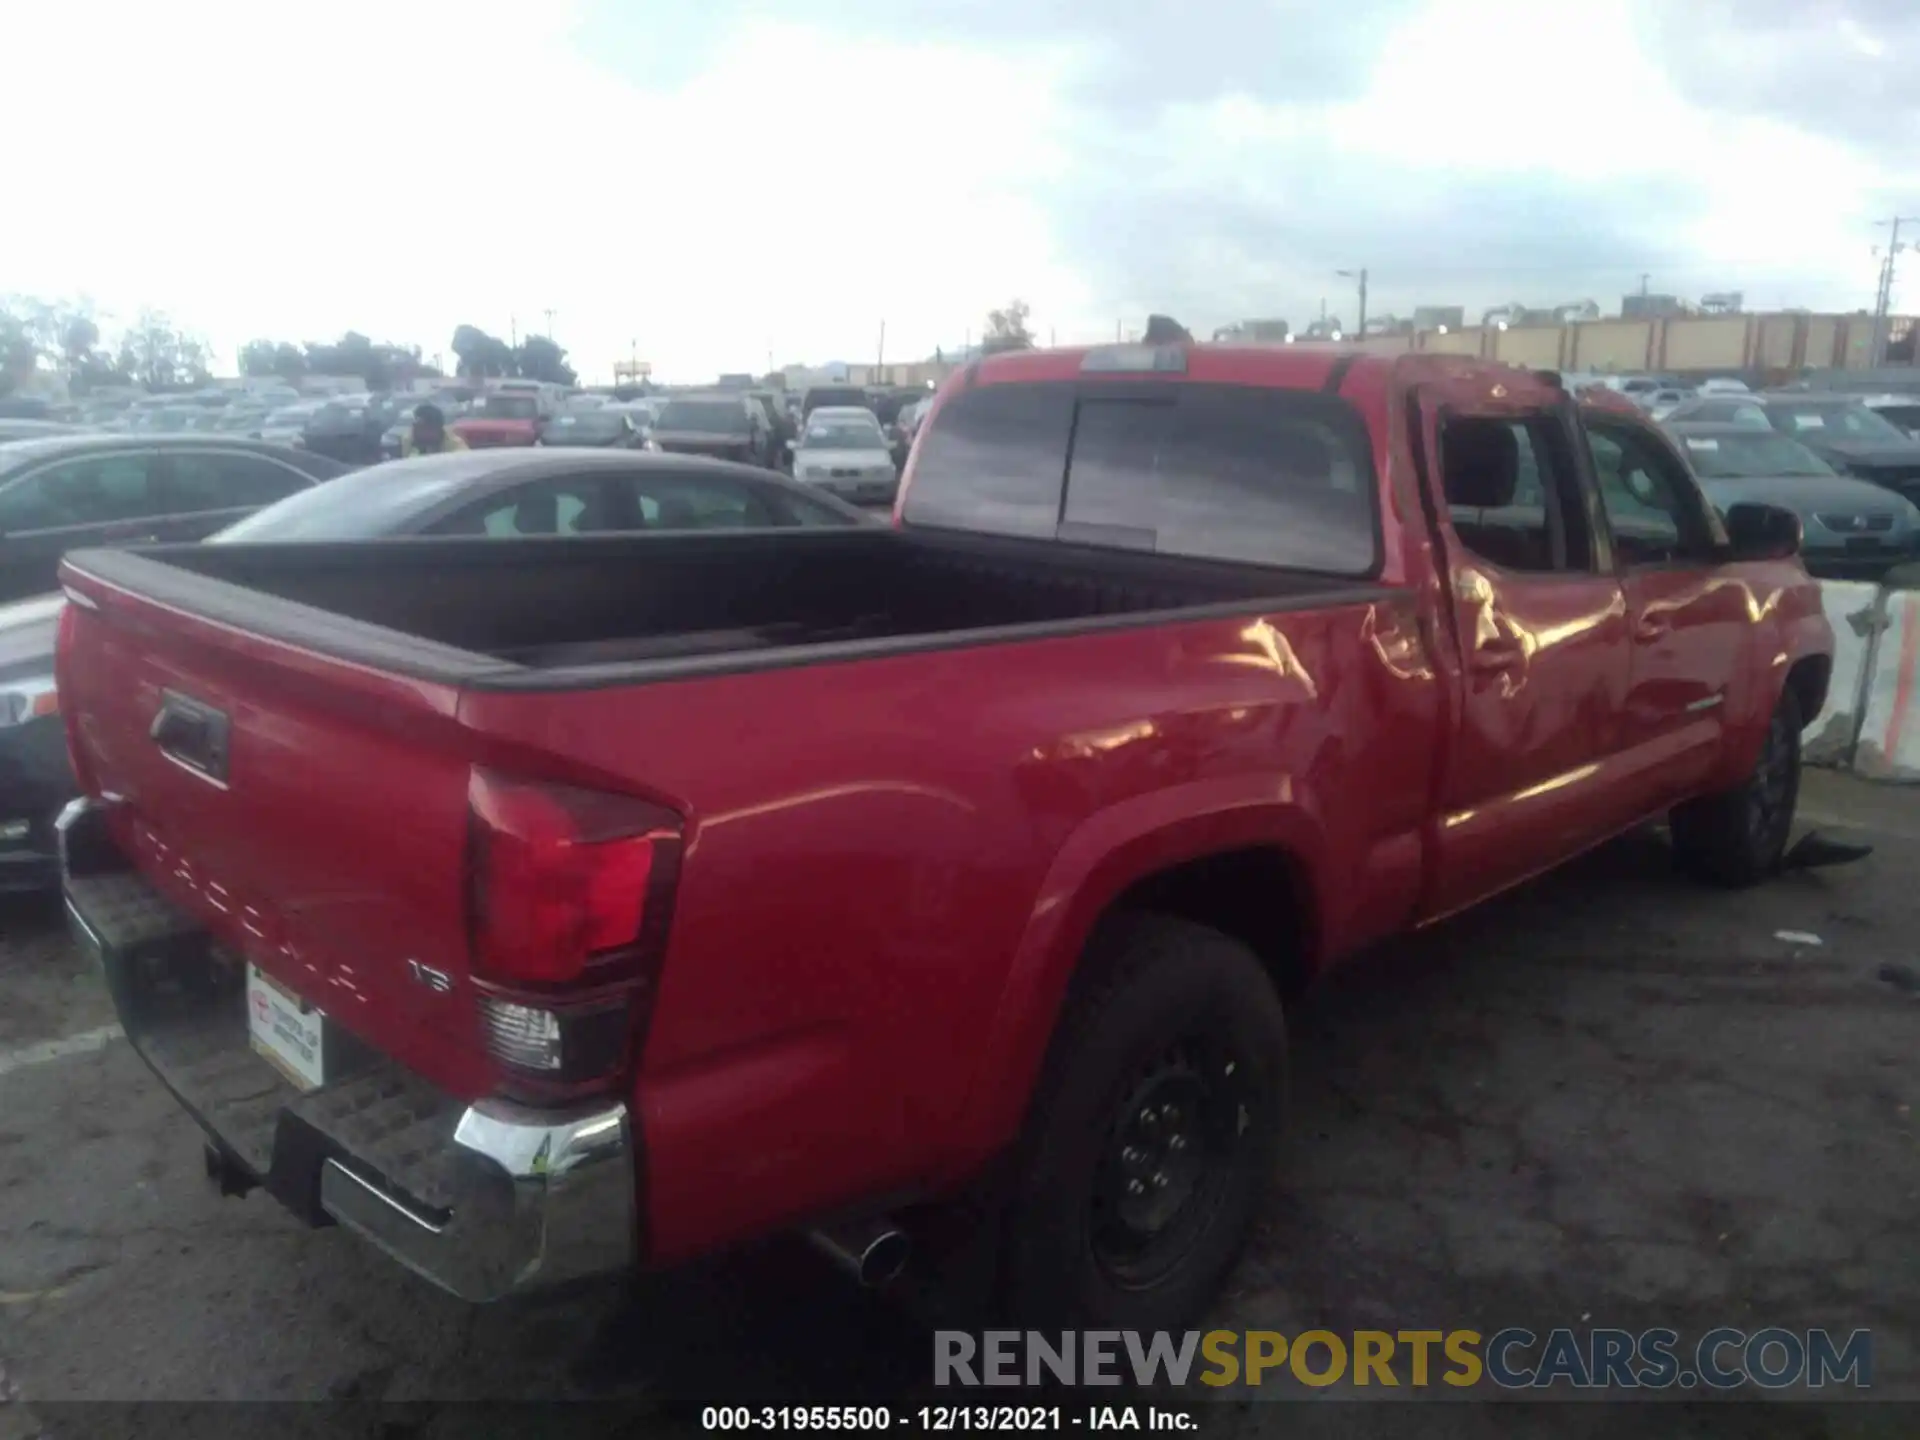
<point>1007,329</point>
<point>155,354</point>
<point>482,356</point>
<point>538,358</point>
<point>260,358</point>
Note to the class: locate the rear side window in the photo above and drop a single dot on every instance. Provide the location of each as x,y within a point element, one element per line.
<point>995,460</point>
<point>1225,472</point>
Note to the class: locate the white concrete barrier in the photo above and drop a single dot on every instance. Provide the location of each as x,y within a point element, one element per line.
<point>1854,609</point>
<point>1889,743</point>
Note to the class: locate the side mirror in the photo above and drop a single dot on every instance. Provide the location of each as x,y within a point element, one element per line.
<point>1763,532</point>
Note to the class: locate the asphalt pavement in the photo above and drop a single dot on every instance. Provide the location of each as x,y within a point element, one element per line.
<point>1611,1098</point>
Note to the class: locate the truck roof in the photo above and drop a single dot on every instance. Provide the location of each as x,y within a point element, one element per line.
<point>1287,367</point>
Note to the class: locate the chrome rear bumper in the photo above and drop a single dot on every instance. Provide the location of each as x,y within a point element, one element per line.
<point>485,1200</point>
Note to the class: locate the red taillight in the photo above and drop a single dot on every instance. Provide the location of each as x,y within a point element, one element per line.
<point>569,885</point>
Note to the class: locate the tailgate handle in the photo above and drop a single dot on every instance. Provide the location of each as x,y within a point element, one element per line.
<point>191,734</point>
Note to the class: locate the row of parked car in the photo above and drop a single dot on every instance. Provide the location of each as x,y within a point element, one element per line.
<point>762,427</point>
<point>1840,462</point>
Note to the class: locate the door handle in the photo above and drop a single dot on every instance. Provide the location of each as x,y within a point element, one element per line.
<point>1496,657</point>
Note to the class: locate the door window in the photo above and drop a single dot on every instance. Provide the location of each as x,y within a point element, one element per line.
<point>97,491</point>
<point>701,502</point>
<point>1655,510</point>
<point>1511,492</point>
<point>546,507</point>
<point>197,483</point>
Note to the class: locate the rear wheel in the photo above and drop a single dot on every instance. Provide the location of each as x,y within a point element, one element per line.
<point>1736,838</point>
<point>1153,1134</point>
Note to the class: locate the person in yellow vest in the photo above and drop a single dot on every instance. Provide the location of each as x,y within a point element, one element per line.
<point>429,434</point>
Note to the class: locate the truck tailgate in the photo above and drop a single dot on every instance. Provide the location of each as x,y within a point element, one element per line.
<point>310,811</point>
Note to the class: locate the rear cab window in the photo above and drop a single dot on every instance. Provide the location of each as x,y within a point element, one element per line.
<point>1249,474</point>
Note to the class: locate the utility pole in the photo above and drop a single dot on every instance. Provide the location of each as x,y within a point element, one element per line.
<point>549,315</point>
<point>880,354</point>
<point>1883,296</point>
<point>513,331</point>
<point>1361,276</point>
<point>1644,278</point>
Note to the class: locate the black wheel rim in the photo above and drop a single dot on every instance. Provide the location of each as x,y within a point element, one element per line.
<point>1167,1157</point>
<point>1771,790</point>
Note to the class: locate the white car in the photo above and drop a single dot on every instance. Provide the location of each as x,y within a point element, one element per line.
<point>843,450</point>
<point>285,426</point>
<point>1900,410</point>
<point>1724,386</point>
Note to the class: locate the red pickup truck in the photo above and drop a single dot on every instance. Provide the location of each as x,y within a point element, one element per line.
<point>538,907</point>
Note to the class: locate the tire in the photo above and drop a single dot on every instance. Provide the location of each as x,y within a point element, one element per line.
<point>1160,1101</point>
<point>1736,838</point>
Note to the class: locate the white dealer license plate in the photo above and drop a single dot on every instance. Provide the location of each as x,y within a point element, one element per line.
<point>291,1036</point>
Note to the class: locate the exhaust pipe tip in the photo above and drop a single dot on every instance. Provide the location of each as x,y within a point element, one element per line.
<point>883,1261</point>
<point>875,1255</point>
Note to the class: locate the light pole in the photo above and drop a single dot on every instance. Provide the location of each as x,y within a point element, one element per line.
<point>1361,276</point>
<point>1883,296</point>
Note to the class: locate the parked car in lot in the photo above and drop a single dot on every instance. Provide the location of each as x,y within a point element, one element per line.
<point>35,777</point>
<point>1853,529</point>
<point>244,420</point>
<point>503,419</point>
<point>604,427</point>
<point>349,429</point>
<point>1850,437</point>
<point>1746,410</point>
<point>502,494</point>
<point>1661,403</point>
<point>635,896</point>
<point>288,424</point>
<point>725,425</point>
<point>844,451</point>
<point>124,489</point>
<point>11,430</point>
<point>836,396</point>
<point>1900,411</point>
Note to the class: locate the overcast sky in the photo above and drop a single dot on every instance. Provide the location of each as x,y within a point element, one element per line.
<point>715,182</point>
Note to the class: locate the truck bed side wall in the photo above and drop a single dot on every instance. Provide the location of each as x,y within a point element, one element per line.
<point>893,861</point>
<point>519,598</point>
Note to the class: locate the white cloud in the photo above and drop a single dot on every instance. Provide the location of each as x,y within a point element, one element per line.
<point>261,169</point>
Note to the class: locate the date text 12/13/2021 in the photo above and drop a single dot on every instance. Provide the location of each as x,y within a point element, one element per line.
<point>937,1419</point>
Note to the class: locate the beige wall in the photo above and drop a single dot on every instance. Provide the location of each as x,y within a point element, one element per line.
<point>1717,343</point>
<point>1610,345</point>
<point>1822,331</point>
<point>1774,349</point>
<point>1857,336</point>
<point>1387,344</point>
<point>1535,346</point>
<point>1454,342</point>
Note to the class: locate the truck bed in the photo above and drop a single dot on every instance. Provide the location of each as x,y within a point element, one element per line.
<point>672,604</point>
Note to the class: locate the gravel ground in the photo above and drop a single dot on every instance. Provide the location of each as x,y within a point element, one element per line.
<point>1610,1099</point>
